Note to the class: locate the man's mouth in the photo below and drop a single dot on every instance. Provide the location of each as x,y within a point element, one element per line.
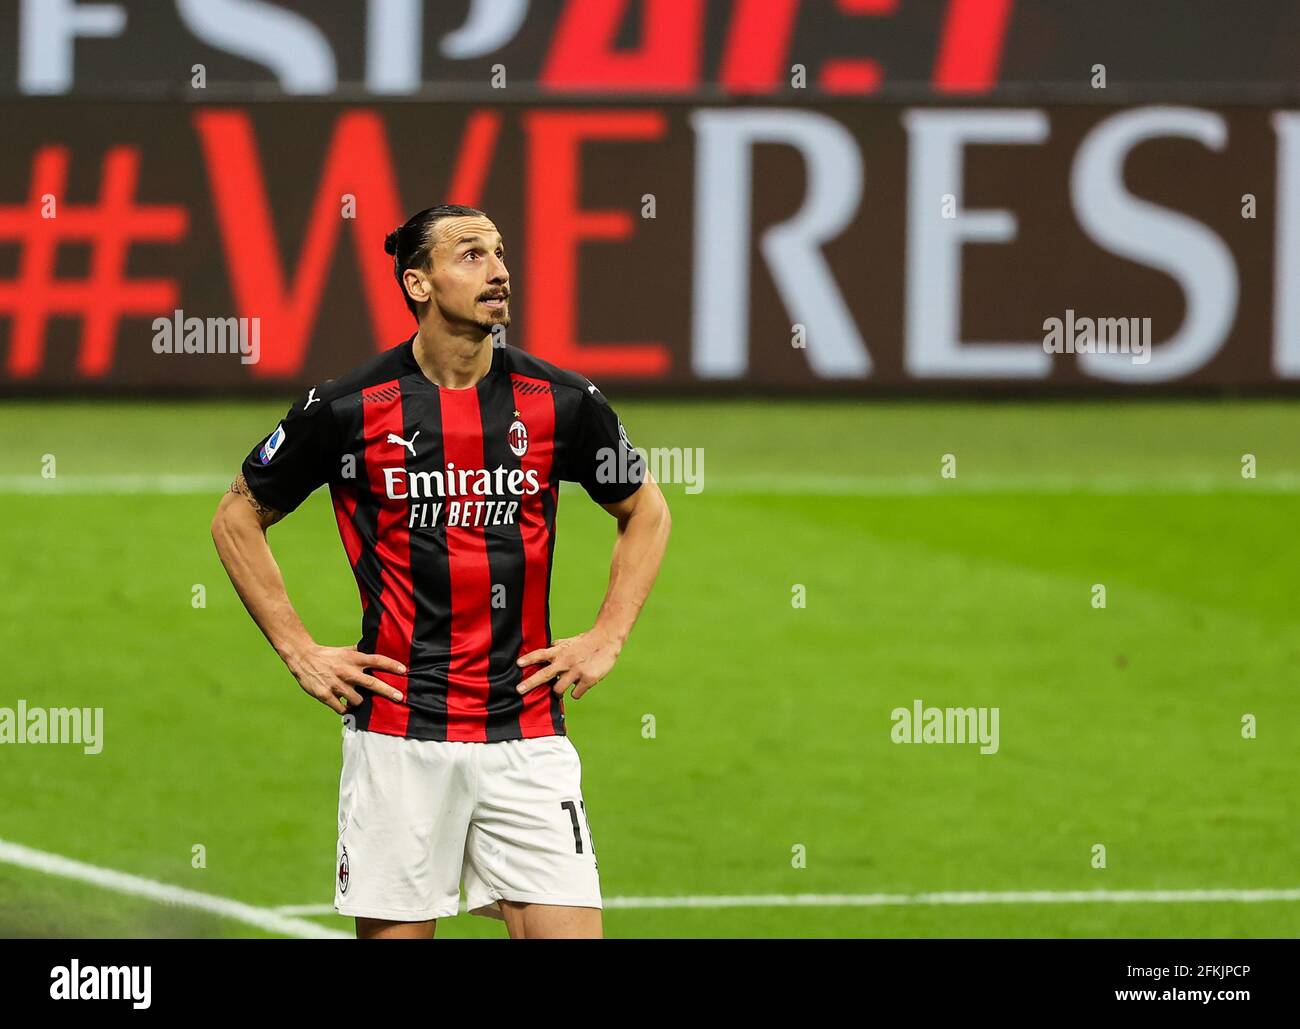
<point>498,300</point>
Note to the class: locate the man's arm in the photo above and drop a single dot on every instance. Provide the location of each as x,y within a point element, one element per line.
<point>582,661</point>
<point>326,673</point>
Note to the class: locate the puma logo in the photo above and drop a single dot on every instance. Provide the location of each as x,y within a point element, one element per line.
<point>408,444</point>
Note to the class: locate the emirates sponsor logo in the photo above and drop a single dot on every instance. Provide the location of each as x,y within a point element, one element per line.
<point>400,484</point>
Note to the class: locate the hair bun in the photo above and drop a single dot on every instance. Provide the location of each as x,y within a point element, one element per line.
<point>390,242</point>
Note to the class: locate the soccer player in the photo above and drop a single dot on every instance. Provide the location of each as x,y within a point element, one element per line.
<point>443,457</point>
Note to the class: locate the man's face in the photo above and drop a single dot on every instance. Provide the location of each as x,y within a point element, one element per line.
<point>468,279</point>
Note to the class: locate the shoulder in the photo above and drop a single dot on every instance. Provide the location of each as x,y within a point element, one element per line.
<point>571,385</point>
<point>383,367</point>
<point>321,413</point>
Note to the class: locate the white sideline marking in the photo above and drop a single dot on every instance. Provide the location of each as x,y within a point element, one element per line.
<point>975,483</point>
<point>872,900</point>
<point>89,485</point>
<point>970,897</point>
<point>741,485</point>
<point>163,893</point>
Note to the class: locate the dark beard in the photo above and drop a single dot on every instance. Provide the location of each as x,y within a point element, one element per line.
<point>487,326</point>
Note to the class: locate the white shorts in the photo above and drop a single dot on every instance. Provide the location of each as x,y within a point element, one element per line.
<point>415,814</point>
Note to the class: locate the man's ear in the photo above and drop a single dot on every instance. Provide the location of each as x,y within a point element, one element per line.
<point>416,285</point>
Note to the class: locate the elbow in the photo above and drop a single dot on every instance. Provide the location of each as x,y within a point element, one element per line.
<point>665,516</point>
<point>223,527</point>
<point>218,528</point>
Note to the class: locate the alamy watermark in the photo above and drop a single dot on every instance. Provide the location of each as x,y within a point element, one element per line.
<point>1086,335</point>
<point>75,981</point>
<point>181,335</point>
<point>78,725</point>
<point>683,465</point>
<point>921,724</point>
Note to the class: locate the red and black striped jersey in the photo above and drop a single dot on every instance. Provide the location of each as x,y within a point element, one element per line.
<point>445,501</point>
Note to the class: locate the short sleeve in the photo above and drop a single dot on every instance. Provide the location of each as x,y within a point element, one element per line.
<point>602,457</point>
<point>297,456</point>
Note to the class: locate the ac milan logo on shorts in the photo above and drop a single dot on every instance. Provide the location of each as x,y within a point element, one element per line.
<point>343,871</point>
<point>517,437</point>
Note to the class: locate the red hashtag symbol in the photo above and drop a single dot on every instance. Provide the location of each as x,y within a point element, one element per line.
<point>105,295</point>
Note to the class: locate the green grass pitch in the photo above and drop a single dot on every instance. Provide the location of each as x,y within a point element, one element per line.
<point>1119,726</point>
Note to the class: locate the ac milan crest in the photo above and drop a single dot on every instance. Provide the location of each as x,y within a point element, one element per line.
<point>517,437</point>
<point>343,872</point>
